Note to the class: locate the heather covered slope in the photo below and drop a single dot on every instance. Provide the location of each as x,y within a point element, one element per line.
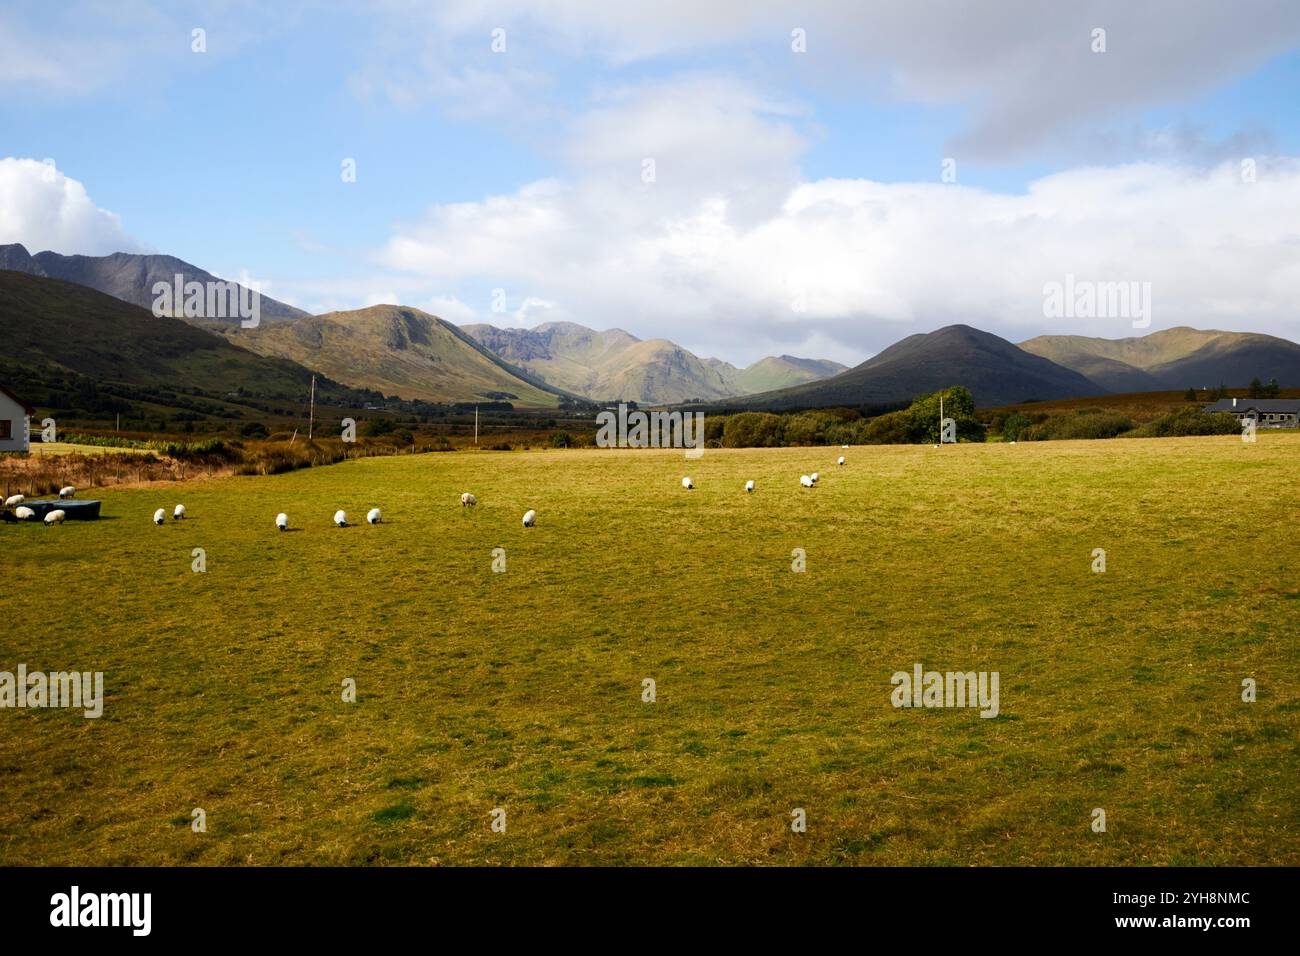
<point>995,371</point>
<point>399,351</point>
<point>66,337</point>
<point>614,364</point>
<point>1176,358</point>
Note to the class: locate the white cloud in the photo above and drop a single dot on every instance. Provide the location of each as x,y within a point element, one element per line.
<point>44,209</point>
<point>1024,68</point>
<point>450,308</point>
<point>871,262</point>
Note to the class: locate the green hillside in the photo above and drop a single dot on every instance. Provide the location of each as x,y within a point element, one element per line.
<point>68,346</point>
<point>398,351</point>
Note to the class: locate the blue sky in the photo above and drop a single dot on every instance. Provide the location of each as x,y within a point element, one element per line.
<point>779,175</point>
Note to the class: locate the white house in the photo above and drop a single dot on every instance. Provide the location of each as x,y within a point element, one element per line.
<point>15,421</point>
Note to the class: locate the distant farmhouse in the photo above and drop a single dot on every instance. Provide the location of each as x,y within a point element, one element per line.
<point>1266,412</point>
<point>15,419</point>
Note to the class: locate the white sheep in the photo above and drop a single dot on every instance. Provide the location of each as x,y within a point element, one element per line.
<point>282,521</point>
<point>159,516</point>
<point>530,518</point>
<point>373,516</point>
<point>841,461</point>
<point>844,446</point>
<point>13,501</point>
<point>341,518</point>
<point>178,513</point>
<point>67,492</point>
<point>56,516</point>
<point>24,514</point>
<point>467,500</point>
<point>686,483</point>
<point>749,485</point>
<point>805,481</point>
<point>814,477</point>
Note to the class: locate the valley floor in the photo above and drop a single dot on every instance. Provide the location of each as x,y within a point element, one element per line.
<point>523,690</point>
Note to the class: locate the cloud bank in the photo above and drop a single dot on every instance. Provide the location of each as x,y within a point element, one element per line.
<point>44,209</point>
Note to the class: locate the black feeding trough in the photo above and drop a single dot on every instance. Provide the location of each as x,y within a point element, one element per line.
<point>74,510</point>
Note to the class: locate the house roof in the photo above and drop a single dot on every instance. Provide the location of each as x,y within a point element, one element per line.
<point>27,408</point>
<point>1259,404</point>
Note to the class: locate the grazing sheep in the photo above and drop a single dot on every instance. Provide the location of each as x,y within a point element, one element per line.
<point>67,492</point>
<point>805,481</point>
<point>814,477</point>
<point>159,516</point>
<point>844,446</point>
<point>749,485</point>
<point>530,518</point>
<point>841,461</point>
<point>373,516</point>
<point>178,513</point>
<point>341,518</point>
<point>282,521</point>
<point>686,483</point>
<point>56,516</point>
<point>466,500</point>
<point>13,501</point>
<point>24,514</point>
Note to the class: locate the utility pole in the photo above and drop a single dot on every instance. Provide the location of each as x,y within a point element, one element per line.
<point>941,419</point>
<point>311,420</point>
<point>476,425</point>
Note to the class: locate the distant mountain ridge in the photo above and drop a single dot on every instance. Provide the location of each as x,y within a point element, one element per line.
<point>995,371</point>
<point>1176,358</point>
<point>613,364</point>
<point>399,351</point>
<point>407,353</point>
<point>128,277</point>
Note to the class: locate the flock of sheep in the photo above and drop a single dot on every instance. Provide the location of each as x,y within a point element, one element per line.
<point>808,481</point>
<point>15,510</point>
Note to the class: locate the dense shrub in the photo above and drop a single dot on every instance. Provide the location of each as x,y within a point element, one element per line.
<point>1015,425</point>
<point>846,426</point>
<point>892,428</point>
<point>751,430</point>
<point>1086,423</point>
<point>1189,421</point>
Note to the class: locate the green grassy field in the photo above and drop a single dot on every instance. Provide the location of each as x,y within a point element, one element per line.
<point>523,690</point>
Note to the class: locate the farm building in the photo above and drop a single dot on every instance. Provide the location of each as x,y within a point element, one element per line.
<point>1267,412</point>
<point>15,420</point>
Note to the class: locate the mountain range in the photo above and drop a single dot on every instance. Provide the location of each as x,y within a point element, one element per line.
<point>126,276</point>
<point>614,364</point>
<point>407,353</point>
<point>403,352</point>
<point>398,351</point>
<point>1176,358</point>
<point>996,372</point>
